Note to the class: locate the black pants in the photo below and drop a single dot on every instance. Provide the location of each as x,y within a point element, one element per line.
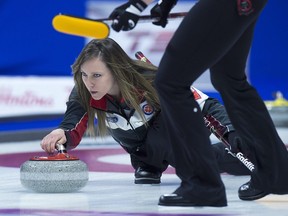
<point>214,36</point>
<point>156,153</point>
<point>152,161</point>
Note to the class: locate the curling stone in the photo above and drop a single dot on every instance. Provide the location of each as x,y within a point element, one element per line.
<point>60,173</point>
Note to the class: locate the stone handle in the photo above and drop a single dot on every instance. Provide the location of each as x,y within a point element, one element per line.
<point>61,148</point>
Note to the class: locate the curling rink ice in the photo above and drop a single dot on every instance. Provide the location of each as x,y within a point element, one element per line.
<point>111,191</point>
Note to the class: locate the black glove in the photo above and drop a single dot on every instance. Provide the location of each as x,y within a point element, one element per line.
<point>161,11</point>
<point>126,16</point>
<point>237,144</point>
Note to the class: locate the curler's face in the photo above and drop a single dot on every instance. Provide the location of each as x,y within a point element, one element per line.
<point>98,79</point>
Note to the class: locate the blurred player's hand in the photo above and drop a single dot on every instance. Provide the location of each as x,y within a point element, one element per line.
<point>161,11</point>
<point>126,16</point>
<point>237,144</point>
<point>49,142</point>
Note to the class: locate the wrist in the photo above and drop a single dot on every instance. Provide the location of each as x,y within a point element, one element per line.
<point>136,7</point>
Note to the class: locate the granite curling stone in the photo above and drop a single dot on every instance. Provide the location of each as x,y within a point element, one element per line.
<point>61,173</point>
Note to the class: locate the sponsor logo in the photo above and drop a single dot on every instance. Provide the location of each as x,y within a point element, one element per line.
<point>147,109</point>
<point>245,161</point>
<point>113,119</point>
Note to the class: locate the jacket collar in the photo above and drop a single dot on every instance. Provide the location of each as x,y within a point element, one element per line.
<point>102,104</point>
<point>99,104</point>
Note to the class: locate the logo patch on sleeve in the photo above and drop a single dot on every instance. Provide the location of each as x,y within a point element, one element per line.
<point>147,109</point>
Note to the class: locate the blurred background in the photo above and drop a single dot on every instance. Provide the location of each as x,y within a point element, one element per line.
<point>35,60</point>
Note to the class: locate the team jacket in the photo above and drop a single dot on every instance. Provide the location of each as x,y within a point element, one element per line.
<point>124,123</point>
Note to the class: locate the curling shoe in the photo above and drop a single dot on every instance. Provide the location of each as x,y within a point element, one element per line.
<point>146,176</point>
<point>177,200</point>
<point>248,192</point>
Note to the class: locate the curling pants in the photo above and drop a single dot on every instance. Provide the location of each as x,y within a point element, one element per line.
<point>213,36</point>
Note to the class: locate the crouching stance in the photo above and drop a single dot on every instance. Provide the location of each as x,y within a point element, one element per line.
<point>119,92</point>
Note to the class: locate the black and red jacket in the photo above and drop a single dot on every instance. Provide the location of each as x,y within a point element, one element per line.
<point>125,124</point>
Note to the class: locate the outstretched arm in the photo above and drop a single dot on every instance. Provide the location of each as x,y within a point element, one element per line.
<point>71,129</point>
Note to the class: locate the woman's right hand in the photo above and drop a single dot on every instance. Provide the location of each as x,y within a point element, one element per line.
<point>49,142</point>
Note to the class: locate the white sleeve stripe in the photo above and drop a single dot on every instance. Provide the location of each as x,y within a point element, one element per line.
<point>132,9</point>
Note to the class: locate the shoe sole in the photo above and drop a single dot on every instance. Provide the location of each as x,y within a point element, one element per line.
<point>191,205</point>
<point>251,198</point>
<point>147,181</point>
